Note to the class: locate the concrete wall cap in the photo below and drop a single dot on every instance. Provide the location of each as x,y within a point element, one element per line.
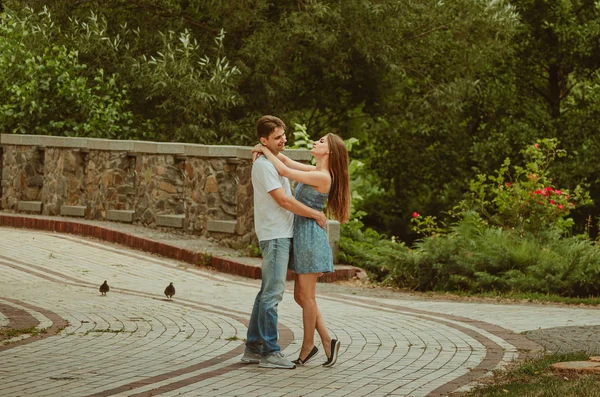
<point>188,149</point>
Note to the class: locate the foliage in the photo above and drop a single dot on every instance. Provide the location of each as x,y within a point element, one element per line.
<point>301,138</point>
<point>473,257</point>
<point>426,226</point>
<point>436,92</point>
<point>369,250</point>
<point>185,88</point>
<point>44,89</point>
<point>497,243</point>
<point>173,90</point>
<point>546,90</point>
<point>525,199</point>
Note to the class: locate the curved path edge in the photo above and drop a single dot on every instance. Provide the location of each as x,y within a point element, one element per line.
<point>494,353</point>
<point>27,320</point>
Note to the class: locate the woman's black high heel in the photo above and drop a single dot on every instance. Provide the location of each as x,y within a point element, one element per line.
<point>335,349</point>
<point>312,353</point>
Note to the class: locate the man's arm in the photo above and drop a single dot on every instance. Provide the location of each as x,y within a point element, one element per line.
<point>296,207</point>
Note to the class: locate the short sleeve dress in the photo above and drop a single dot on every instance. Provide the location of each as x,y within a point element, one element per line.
<point>311,252</point>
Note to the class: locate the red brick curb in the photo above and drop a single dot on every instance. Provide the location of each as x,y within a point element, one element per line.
<point>155,247</point>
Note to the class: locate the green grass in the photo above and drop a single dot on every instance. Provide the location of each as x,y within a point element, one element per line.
<point>535,378</point>
<point>205,260</point>
<point>14,332</point>
<point>253,251</point>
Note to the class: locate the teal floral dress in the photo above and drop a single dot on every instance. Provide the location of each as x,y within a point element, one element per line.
<point>311,251</point>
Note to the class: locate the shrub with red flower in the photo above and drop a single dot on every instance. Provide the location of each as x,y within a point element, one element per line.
<point>525,198</point>
<point>425,225</point>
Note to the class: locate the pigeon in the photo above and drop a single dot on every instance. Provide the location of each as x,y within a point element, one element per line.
<point>170,291</point>
<point>104,288</point>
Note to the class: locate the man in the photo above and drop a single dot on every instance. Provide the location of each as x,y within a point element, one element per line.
<point>274,209</point>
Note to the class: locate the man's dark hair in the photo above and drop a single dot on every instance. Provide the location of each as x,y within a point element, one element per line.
<point>266,124</point>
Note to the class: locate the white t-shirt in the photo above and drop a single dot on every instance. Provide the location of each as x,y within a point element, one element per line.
<point>271,221</point>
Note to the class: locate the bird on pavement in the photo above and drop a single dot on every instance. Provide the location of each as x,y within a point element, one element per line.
<point>170,291</point>
<point>104,288</point>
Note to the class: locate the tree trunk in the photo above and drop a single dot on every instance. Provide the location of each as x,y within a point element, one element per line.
<point>555,88</point>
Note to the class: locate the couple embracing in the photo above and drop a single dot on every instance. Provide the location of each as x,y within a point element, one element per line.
<point>281,220</point>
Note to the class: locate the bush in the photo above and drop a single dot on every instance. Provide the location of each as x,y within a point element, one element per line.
<point>44,89</point>
<point>511,236</point>
<point>77,78</point>
<point>369,250</point>
<point>525,199</point>
<point>476,258</point>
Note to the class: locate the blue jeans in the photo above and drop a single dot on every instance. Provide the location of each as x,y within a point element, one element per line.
<point>262,329</point>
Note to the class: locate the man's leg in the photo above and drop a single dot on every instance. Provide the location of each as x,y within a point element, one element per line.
<point>253,341</point>
<point>276,254</point>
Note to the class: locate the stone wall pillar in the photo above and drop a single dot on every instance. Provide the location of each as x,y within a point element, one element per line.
<point>245,202</point>
<point>22,175</point>
<point>110,182</point>
<point>64,181</point>
<point>196,176</point>
<point>159,182</point>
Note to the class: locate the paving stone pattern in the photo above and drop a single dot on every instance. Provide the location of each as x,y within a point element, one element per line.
<point>135,342</point>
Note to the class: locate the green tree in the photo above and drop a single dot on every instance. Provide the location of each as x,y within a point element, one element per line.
<point>548,88</point>
<point>44,89</point>
<point>171,87</point>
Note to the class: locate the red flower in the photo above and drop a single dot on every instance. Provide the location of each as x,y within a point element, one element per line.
<point>558,192</point>
<point>536,146</point>
<point>551,201</point>
<point>415,215</point>
<point>538,191</point>
<point>560,206</point>
<point>508,184</point>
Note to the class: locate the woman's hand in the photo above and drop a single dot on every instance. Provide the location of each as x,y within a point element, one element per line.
<point>257,151</point>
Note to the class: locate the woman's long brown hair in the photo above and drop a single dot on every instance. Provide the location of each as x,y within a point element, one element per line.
<point>338,204</point>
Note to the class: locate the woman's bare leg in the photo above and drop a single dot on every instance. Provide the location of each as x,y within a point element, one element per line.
<point>323,333</point>
<point>304,294</point>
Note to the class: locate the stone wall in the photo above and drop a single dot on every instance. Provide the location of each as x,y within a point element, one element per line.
<point>110,182</point>
<point>22,175</point>
<point>64,181</point>
<point>159,188</point>
<point>198,189</point>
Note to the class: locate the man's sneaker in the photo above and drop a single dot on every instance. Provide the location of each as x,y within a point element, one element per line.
<point>276,360</point>
<point>250,357</point>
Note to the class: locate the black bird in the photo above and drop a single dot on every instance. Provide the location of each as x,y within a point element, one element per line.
<point>104,288</point>
<point>170,291</point>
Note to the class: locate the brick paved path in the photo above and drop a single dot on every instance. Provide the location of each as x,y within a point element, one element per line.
<point>134,342</point>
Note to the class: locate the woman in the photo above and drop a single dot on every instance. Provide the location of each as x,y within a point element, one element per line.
<point>325,183</point>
